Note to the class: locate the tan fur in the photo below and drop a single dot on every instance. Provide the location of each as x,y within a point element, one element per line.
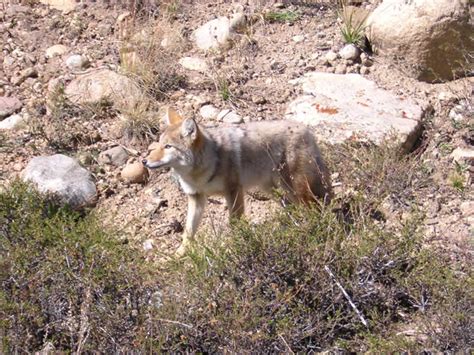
<point>229,160</point>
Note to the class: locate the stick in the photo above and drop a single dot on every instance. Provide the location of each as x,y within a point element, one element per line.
<point>284,342</point>
<point>175,322</point>
<point>359,313</point>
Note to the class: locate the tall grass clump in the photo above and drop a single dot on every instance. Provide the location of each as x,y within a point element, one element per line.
<point>353,23</point>
<point>67,284</point>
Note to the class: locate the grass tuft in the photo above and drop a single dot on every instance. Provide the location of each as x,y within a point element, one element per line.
<point>353,23</point>
<point>281,16</point>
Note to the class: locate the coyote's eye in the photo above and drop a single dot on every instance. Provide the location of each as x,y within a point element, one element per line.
<point>167,146</point>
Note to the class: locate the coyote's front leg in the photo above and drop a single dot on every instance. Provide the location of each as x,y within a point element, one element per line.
<point>196,205</point>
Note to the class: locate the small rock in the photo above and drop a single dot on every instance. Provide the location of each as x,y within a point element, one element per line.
<point>364,70</point>
<point>9,105</point>
<point>259,100</point>
<point>213,34</point>
<point>116,156</point>
<point>229,116</point>
<point>77,62</point>
<point>238,22</point>
<point>298,38</point>
<point>462,155</point>
<point>350,52</point>
<point>25,74</point>
<point>193,63</point>
<point>85,158</point>
<point>56,50</point>
<point>330,57</point>
<point>148,244</point>
<point>279,5</point>
<point>341,69</point>
<point>209,112</point>
<point>367,62</point>
<point>62,5</point>
<point>135,173</point>
<point>447,96</point>
<point>467,208</point>
<point>12,122</point>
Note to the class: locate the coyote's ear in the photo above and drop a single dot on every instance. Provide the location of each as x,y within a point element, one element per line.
<point>172,117</point>
<point>189,129</point>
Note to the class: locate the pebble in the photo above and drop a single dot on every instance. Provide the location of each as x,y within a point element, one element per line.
<point>298,38</point>
<point>116,156</point>
<point>77,62</point>
<point>330,56</point>
<point>229,116</point>
<point>135,173</point>
<point>30,72</point>
<point>209,112</point>
<point>56,50</point>
<point>350,52</point>
<point>341,69</point>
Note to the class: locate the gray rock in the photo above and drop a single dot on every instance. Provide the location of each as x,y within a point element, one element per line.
<point>298,38</point>
<point>12,122</point>
<point>193,63</point>
<point>229,116</point>
<point>77,62</point>
<point>63,5</point>
<point>209,112</point>
<point>463,155</point>
<point>63,177</point>
<point>331,57</point>
<point>432,37</point>
<point>341,69</point>
<point>350,107</point>
<point>104,84</point>
<point>350,52</point>
<point>214,34</point>
<point>25,74</point>
<point>9,105</point>
<point>56,50</point>
<point>116,156</point>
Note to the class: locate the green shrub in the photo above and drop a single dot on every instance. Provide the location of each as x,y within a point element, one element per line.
<point>65,282</point>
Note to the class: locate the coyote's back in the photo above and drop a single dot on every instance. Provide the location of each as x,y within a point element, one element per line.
<point>272,155</point>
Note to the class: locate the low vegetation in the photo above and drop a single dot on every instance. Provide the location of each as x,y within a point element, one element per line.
<point>281,16</point>
<point>339,277</point>
<point>65,282</point>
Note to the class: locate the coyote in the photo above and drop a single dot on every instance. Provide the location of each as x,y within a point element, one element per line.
<point>229,160</point>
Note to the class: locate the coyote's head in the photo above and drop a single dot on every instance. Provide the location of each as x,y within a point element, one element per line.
<point>177,144</point>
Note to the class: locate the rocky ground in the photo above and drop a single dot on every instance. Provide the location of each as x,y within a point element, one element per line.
<point>42,47</point>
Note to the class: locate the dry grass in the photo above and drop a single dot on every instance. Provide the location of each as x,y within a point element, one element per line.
<point>149,54</point>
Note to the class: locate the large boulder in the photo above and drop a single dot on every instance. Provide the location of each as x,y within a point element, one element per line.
<point>430,39</point>
<point>62,177</point>
<point>104,84</point>
<point>350,107</point>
